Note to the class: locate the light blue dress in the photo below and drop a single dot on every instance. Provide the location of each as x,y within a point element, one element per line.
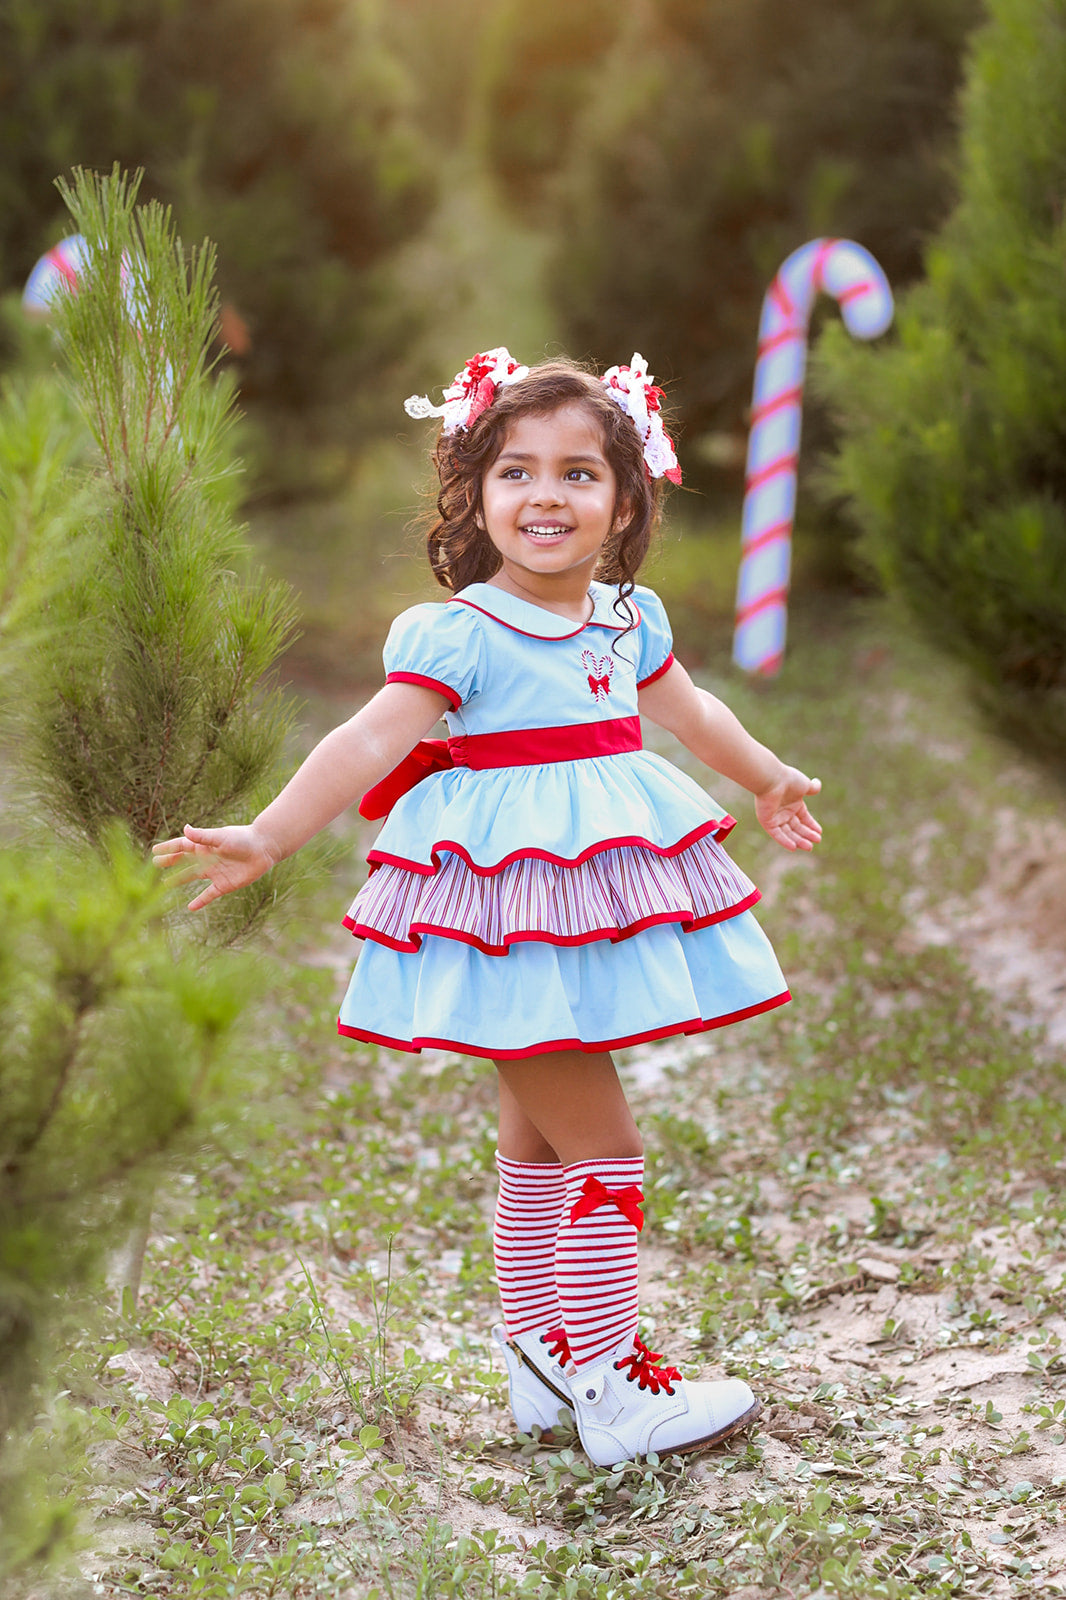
<point>559,899</point>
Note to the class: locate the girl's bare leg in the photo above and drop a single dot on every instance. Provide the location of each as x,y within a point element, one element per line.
<point>564,1106</point>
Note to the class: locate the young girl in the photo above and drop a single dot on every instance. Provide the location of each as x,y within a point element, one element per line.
<point>544,890</point>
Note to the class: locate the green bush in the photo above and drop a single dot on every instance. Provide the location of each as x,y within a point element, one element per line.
<point>116,1056</point>
<point>42,443</point>
<point>147,703</point>
<point>133,647</point>
<point>952,454</point>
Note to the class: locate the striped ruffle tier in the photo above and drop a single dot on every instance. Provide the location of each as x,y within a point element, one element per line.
<point>612,895</point>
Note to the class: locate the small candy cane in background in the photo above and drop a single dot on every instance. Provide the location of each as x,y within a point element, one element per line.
<point>853,278</point>
<point>62,265</point>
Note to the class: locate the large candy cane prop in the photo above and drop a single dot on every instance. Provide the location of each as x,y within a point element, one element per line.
<point>853,278</point>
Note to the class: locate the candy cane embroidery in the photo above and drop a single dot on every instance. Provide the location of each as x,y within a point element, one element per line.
<point>599,669</point>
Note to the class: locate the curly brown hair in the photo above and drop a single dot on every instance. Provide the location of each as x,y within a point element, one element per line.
<point>460,550</point>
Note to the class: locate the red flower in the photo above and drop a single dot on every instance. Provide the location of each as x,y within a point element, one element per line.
<point>483,396</point>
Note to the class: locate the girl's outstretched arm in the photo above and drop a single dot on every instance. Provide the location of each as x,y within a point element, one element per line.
<point>338,772</point>
<point>710,730</point>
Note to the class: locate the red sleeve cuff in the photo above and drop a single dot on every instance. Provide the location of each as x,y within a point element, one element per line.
<point>454,700</point>
<point>667,664</point>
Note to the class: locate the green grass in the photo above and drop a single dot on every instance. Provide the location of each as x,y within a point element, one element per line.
<point>303,1404</point>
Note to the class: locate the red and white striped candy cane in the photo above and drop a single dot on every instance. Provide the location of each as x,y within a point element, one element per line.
<point>62,265</point>
<point>851,275</point>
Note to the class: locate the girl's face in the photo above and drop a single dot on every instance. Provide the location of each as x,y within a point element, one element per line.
<point>548,500</point>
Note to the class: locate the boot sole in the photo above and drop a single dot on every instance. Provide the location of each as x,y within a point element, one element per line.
<point>736,1426</point>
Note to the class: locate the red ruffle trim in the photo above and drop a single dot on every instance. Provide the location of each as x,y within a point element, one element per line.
<point>614,935</point>
<point>698,1025</point>
<point>718,830</point>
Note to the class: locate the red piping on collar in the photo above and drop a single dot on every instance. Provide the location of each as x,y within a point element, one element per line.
<point>552,638</point>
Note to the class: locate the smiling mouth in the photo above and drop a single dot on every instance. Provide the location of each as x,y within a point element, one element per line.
<point>544,530</point>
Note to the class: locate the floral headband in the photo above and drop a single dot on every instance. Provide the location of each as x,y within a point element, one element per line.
<point>474,389</point>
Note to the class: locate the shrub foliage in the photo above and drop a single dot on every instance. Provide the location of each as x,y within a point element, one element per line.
<point>115,1051</point>
<point>954,438</point>
<point>148,705</point>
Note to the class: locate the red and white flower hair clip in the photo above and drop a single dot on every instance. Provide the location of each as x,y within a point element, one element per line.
<point>471,391</point>
<point>634,390</point>
<point>474,389</point>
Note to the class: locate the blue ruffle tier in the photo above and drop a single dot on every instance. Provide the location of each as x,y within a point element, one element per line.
<point>543,997</point>
<point>562,810</point>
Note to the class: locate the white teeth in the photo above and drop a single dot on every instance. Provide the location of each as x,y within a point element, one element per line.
<point>546,533</point>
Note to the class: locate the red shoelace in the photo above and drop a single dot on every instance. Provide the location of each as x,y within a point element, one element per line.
<point>558,1345</point>
<point>644,1369</point>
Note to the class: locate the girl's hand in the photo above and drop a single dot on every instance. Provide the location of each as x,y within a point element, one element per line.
<point>782,810</point>
<point>229,858</point>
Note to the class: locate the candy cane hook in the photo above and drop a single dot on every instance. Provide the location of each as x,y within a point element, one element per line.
<point>851,275</point>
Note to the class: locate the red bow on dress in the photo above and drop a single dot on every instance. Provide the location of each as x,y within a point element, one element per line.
<point>599,685</point>
<point>594,1193</point>
<point>430,755</point>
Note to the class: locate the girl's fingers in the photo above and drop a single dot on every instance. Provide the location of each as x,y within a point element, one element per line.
<point>202,836</point>
<point>170,848</point>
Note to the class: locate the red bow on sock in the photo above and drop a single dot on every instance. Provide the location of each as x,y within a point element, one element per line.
<point>595,1193</point>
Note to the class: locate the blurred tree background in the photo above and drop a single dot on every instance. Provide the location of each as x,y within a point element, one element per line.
<point>666,154</point>
<point>686,147</point>
<point>281,129</point>
<point>953,455</point>
<point>392,185</point>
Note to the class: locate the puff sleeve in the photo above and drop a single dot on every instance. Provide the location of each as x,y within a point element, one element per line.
<point>656,641</point>
<point>439,646</point>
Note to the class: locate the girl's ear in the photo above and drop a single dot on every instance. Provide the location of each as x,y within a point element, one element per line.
<point>623,515</point>
<point>473,503</point>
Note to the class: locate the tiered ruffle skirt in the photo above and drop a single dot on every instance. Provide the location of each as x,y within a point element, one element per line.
<point>575,905</point>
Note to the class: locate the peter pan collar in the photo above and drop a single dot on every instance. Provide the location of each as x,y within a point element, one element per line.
<point>537,623</point>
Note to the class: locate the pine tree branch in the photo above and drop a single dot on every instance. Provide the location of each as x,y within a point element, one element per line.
<point>102,1181</point>
<point>19,555</point>
<point>150,828</point>
<point>89,377</point>
<point>214,736</point>
<point>15,1163</point>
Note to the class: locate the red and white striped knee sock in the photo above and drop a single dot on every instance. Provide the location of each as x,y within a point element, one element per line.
<point>528,1209</point>
<point>596,1256</point>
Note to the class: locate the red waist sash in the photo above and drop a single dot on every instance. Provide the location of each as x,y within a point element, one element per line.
<point>528,747</point>
<point>523,747</point>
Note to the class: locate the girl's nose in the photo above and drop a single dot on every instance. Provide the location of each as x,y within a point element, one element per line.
<point>546,492</point>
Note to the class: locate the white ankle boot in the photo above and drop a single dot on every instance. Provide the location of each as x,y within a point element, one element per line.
<point>632,1406</point>
<point>538,1386</point>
